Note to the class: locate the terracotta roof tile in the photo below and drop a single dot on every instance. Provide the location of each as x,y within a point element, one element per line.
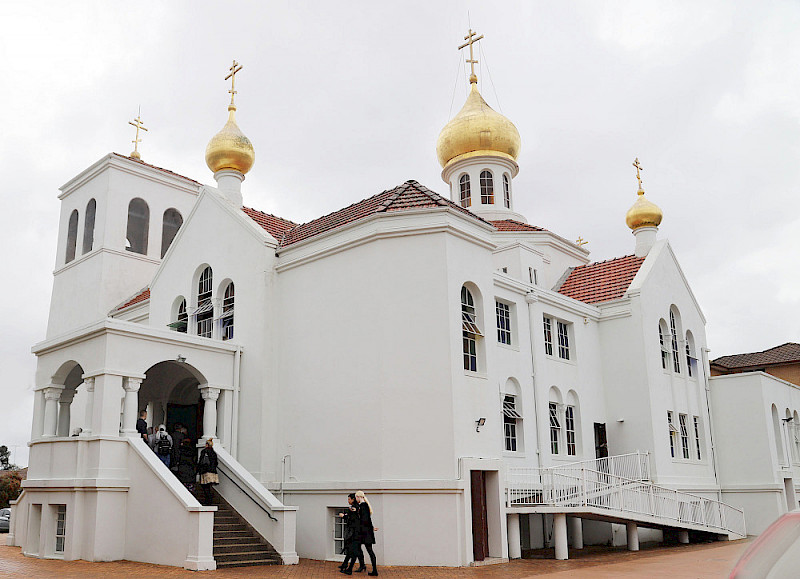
<point>157,168</point>
<point>275,226</point>
<point>783,354</point>
<point>511,225</point>
<point>602,281</point>
<point>142,296</point>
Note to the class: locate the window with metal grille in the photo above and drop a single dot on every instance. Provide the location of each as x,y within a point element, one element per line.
<point>664,351</point>
<point>569,428</point>
<point>684,435</point>
<point>88,226</point>
<point>503,323</point>
<point>697,435</point>
<point>507,191</point>
<point>466,193</point>
<point>61,527</point>
<point>555,428</point>
<point>487,188</point>
<point>72,236</point>
<point>672,433</point>
<point>469,330</point>
<point>548,336</point>
<point>138,224</point>
<point>563,341</point>
<point>204,314</point>
<point>676,361</point>
<point>510,424</point>
<point>226,319</point>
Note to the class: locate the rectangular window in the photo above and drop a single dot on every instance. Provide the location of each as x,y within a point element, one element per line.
<point>548,337</point>
<point>533,275</point>
<point>510,424</point>
<point>697,436</point>
<point>563,341</point>
<point>684,435</point>
<point>61,527</point>
<point>672,432</point>
<point>503,323</point>
<point>664,351</point>
<point>555,428</point>
<point>689,359</point>
<point>569,425</point>
<point>470,352</point>
<point>338,531</point>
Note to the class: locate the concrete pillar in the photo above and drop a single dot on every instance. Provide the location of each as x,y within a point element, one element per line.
<point>633,536</point>
<point>210,396</point>
<point>64,405</point>
<point>576,530</point>
<point>560,536</point>
<point>51,396</point>
<point>37,426</point>
<point>514,537</point>
<point>130,407</point>
<point>87,420</point>
<point>683,537</point>
<point>108,394</point>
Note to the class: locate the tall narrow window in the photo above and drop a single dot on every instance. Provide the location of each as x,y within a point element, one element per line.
<point>506,191</point>
<point>697,435</point>
<point>563,341</point>
<point>138,225</point>
<point>72,236</point>
<point>487,188</point>
<point>569,426</point>
<point>555,428</point>
<point>61,527</point>
<point>466,193</point>
<point>170,225</point>
<point>182,320</point>
<point>469,330</point>
<point>672,433</point>
<point>548,336</point>
<point>503,323</point>
<point>204,314</point>
<point>675,359</point>
<point>684,435</point>
<point>226,319</point>
<point>88,226</point>
<point>691,360</point>
<point>510,418</point>
<point>664,351</point>
<point>533,276</point>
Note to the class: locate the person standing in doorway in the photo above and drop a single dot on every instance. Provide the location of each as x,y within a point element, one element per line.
<point>207,469</point>
<point>162,445</point>
<point>177,439</point>
<point>367,530</point>
<point>141,425</point>
<point>187,470</point>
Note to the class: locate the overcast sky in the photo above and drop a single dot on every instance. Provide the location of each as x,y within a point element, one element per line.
<point>345,99</point>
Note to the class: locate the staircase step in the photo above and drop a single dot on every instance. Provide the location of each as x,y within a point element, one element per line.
<point>252,563</point>
<point>227,520</point>
<point>237,540</point>
<point>252,547</point>
<point>243,556</point>
<point>238,534</point>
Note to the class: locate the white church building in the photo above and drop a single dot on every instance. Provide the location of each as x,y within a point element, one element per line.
<point>488,386</point>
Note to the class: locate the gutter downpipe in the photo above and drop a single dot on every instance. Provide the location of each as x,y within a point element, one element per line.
<point>237,365</point>
<point>530,299</point>
<point>706,372</point>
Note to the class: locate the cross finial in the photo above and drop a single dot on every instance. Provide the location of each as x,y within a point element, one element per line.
<point>235,67</point>
<point>137,122</point>
<point>638,176</point>
<point>580,241</point>
<point>472,62</point>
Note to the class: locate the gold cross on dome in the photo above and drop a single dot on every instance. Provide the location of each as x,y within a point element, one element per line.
<point>638,168</point>
<point>472,62</point>
<point>137,122</point>
<point>580,241</point>
<point>235,67</point>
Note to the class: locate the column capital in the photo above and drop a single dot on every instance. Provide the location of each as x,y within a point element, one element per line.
<point>531,297</point>
<point>67,396</point>
<point>131,384</point>
<point>210,393</point>
<point>89,383</point>
<point>53,392</point>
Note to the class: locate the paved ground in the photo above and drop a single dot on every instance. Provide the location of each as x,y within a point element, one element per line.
<point>676,562</point>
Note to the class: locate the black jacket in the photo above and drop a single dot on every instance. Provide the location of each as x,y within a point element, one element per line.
<point>177,439</point>
<point>187,468</point>
<point>352,526</point>
<point>367,529</point>
<point>212,458</point>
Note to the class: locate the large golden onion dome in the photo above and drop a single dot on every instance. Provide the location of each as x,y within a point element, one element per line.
<point>230,148</point>
<point>643,213</point>
<point>477,129</point>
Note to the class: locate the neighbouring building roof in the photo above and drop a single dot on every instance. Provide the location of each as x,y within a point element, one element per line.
<point>274,225</point>
<point>140,297</point>
<point>601,281</point>
<point>511,225</point>
<point>783,354</point>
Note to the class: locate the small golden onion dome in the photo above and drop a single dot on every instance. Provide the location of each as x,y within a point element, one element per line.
<point>230,149</point>
<point>643,213</point>
<point>477,129</point>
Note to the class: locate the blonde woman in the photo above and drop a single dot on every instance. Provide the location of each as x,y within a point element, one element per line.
<point>367,530</point>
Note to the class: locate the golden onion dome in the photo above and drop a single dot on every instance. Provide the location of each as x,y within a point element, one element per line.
<point>477,129</point>
<point>643,213</point>
<point>230,148</point>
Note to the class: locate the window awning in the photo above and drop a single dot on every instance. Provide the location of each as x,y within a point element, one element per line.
<point>468,325</point>
<point>203,308</point>
<point>510,411</point>
<point>672,428</point>
<point>179,325</point>
<point>226,314</point>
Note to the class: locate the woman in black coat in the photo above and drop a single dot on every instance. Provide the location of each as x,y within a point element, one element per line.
<point>187,469</point>
<point>207,469</point>
<point>367,530</point>
<point>352,538</point>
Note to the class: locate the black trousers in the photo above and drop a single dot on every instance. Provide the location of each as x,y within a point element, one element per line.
<point>371,554</point>
<point>352,552</point>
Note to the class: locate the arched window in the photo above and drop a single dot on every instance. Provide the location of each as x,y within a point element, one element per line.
<point>466,192</point>
<point>169,228</point>
<point>88,226</point>
<point>776,428</point>
<point>470,331</point>
<point>181,318</point>
<point>226,319</point>
<point>487,188</point>
<point>512,417</point>
<point>506,191</point>
<point>204,314</point>
<point>572,423</point>
<point>676,362</point>
<point>138,225</point>
<point>662,331</point>
<point>554,408</point>
<point>72,236</point>
<point>691,356</point>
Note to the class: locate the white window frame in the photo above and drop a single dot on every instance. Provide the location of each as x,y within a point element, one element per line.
<point>676,362</point>
<point>569,430</point>
<point>555,428</point>
<point>465,190</point>
<point>507,190</point>
<point>204,313</point>
<point>61,529</point>
<point>562,329</point>
<point>503,312</point>
<point>338,533</point>
<point>226,318</point>
<point>684,436</point>
<point>673,432</point>
<point>487,187</point>
<point>547,322</point>
<point>696,421</point>
<point>512,423</point>
<point>470,330</point>
<point>664,350</point>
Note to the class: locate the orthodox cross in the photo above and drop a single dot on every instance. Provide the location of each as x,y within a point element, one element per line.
<point>638,168</point>
<point>235,67</point>
<point>137,122</point>
<point>472,62</point>
<point>580,241</point>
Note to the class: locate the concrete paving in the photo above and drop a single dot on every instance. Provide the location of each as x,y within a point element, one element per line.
<point>707,560</point>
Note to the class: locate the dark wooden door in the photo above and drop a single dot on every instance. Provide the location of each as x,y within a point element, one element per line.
<point>600,440</point>
<point>480,525</point>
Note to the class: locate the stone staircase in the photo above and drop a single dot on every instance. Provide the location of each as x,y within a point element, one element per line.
<point>236,544</point>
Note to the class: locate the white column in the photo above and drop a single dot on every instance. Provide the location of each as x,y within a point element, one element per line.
<point>210,395</point>
<point>683,536</point>
<point>130,406</point>
<point>64,404</point>
<point>51,396</point>
<point>87,420</point>
<point>514,537</point>
<point>560,536</point>
<point>576,530</point>
<point>37,426</point>
<point>633,536</point>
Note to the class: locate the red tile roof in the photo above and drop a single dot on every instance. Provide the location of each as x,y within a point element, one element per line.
<point>142,296</point>
<point>156,168</point>
<point>511,225</point>
<point>275,226</point>
<point>783,354</point>
<point>602,281</point>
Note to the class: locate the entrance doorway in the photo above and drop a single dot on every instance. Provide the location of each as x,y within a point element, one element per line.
<point>480,523</point>
<point>600,440</point>
<point>189,415</point>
